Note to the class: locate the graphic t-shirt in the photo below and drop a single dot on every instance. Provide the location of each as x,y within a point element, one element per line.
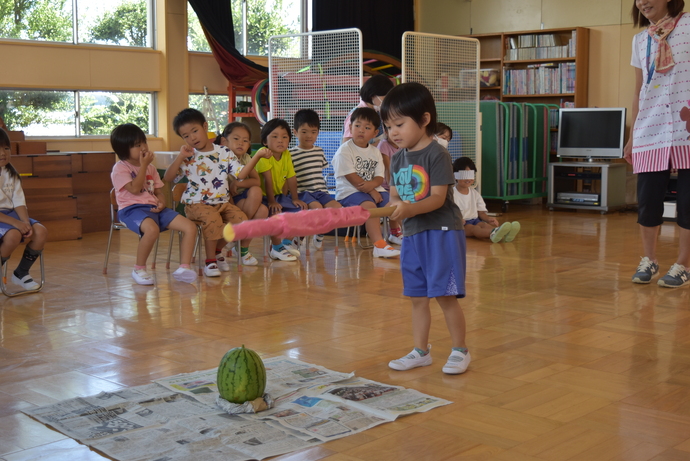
<point>413,174</point>
<point>207,173</point>
<point>350,158</point>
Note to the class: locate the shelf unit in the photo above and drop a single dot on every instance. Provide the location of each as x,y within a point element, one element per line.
<point>493,53</point>
<point>607,180</point>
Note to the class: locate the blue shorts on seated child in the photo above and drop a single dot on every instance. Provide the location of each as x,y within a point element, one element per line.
<point>4,227</point>
<point>134,215</point>
<point>358,198</point>
<point>443,275</point>
<point>285,201</point>
<point>320,196</point>
<point>473,222</point>
<point>241,196</point>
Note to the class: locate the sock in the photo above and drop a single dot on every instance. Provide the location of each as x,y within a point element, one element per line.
<point>381,244</point>
<point>244,251</point>
<point>28,259</point>
<point>138,268</point>
<point>287,242</point>
<point>463,350</point>
<point>184,266</point>
<point>278,247</point>
<point>211,261</point>
<point>395,231</point>
<point>421,352</point>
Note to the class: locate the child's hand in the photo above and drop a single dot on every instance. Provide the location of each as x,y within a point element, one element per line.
<point>24,228</point>
<point>366,187</point>
<point>274,207</point>
<point>232,188</point>
<point>186,152</point>
<point>376,195</point>
<point>402,211</point>
<point>146,158</point>
<point>264,152</point>
<point>159,206</point>
<point>300,204</point>
<point>493,221</point>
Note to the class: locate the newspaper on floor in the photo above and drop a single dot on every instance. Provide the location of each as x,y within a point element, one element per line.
<point>313,405</point>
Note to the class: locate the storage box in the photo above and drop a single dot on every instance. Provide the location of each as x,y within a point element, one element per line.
<point>669,210</point>
<point>162,160</point>
<point>32,147</point>
<point>16,135</point>
<point>488,77</point>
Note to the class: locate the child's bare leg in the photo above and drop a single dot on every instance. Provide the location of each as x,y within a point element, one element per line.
<point>211,246</point>
<point>10,242</point>
<point>150,232</point>
<point>252,202</point>
<point>315,205</point>
<point>421,322</point>
<point>261,213</point>
<point>38,237</point>
<point>479,231</point>
<point>455,319</point>
<point>373,225</point>
<point>188,229</point>
<point>333,204</point>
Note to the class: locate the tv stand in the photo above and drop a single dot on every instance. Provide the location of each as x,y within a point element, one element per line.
<point>579,182</point>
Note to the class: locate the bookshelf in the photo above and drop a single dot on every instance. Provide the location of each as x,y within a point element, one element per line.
<point>548,66</point>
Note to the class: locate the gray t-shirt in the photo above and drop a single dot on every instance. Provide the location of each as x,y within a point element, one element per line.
<point>413,174</point>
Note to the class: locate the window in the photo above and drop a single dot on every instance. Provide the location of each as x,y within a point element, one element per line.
<point>74,113</point>
<point>219,103</point>
<point>108,22</point>
<point>261,20</point>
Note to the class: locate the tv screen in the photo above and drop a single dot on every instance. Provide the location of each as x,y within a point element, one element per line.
<point>591,132</point>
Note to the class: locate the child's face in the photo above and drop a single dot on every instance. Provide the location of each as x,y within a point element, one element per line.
<point>306,135</point>
<point>445,134</point>
<point>466,183</point>
<point>5,152</point>
<point>278,140</point>
<point>237,141</point>
<point>405,132</point>
<point>363,131</point>
<point>195,135</point>
<point>137,150</point>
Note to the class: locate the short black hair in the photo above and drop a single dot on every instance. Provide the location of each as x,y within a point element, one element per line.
<point>124,137</point>
<point>5,142</point>
<point>462,163</point>
<point>307,117</point>
<point>271,125</point>
<point>675,7</point>
<point>230,127</point>
<point>441,127</point>
<point>186,116</point>
<point>411,100</point>
<point>377,85</point>
<point>366,113</point>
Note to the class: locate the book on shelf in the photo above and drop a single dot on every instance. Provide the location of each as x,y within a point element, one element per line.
<point>546,78</point>
<point>540,46</point>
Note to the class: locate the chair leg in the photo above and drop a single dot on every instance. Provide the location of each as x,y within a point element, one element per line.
<point>199,245</point>
<point>170,245</point>
<point>107,250</point>
<point>267,248</point>
<point>155,253</point>
<point>238,249</point>
<point>10,294</point>
<point>361,245</point>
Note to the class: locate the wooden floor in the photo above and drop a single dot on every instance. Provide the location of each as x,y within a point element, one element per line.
<point>571,360</point>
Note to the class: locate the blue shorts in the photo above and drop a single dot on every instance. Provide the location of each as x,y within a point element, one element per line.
<point>241,196</point>
<point>473,222</point>
<point>442,274</point>
<point>358,198</point>
<point>4,227</point>
<point>322,197</point>
<point>286,201</point>
<point>134,215</point>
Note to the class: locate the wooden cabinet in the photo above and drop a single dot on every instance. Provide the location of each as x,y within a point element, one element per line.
<point>548,66</point>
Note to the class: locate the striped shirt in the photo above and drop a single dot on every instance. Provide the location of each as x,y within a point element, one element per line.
<point>661,135</point>
<point>309,165</point>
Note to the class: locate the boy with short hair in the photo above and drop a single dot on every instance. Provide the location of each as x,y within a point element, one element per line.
<point>359,173</point>
<point>309,161</point>
<point>207,166</point>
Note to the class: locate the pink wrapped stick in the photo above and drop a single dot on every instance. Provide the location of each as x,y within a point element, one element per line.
<point>307,222</point>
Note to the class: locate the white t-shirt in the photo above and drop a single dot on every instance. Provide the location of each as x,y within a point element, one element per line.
<point>12,193</point>
<point>470,205</point>
<point>350,158</point>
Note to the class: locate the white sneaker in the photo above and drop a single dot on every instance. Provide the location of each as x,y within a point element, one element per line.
<point>412,360</point>
<point>317,240</point>
<point>386,252</point>
<point>211,270</point>
<point>395,240</point>
<point>28,283</point>
<point>249,260</point>
<point>182,274</point>
<point>457,363</point>
<point>282,255</point>
<point>141,277</point>
<point>294,251</point>
<point>222,263</point>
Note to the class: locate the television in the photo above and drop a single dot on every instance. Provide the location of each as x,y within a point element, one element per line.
<point>591,133</point>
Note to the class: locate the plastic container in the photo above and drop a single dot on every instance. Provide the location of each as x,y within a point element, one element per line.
<point>162,160</point>
<point>488,77</point>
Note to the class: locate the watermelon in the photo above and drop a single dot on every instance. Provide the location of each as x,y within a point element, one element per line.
<point>241,375</point>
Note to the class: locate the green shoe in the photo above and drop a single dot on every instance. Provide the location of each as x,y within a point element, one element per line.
<point>500,232</point>
<point>514,229</point>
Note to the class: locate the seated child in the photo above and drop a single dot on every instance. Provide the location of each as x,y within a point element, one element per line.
<point>278,180</point>
<point>15,224</point>
<point>477,223</point>
<point>247,193</point>
<point>309,161</point>
<point>444,134</point>
<point>388,148</point>
<point>359,173</point>
<point>141,203</point>
<point>207,167</point>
